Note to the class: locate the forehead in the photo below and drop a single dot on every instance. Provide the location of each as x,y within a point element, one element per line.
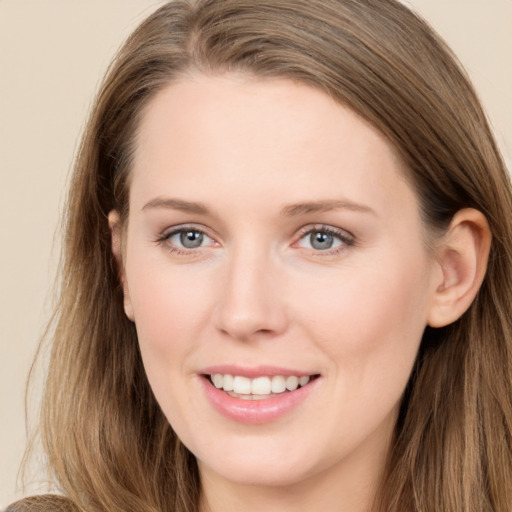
<point>238,105</point>
<point>261,135</point>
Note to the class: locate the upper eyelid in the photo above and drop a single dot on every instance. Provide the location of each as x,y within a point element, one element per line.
<point>302,231</point>
<point>343,234</point>
<point>347,239</point>
<point>164,239</point>
<point>167,232</point>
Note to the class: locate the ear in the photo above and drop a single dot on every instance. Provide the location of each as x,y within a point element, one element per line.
<point>114,224</point>
<point>462,256</point>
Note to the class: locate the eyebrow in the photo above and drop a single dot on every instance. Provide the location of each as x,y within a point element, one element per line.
<point>324,206</point>
<point>291,210</point>
<point>176,204</point>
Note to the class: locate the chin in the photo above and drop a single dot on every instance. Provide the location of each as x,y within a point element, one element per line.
<point>265,467</point>
<point>260,475</point>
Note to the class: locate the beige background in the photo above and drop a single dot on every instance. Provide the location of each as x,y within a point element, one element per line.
<point>52,55</point>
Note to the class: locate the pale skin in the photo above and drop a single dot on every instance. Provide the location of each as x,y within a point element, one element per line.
<point>255,170</point>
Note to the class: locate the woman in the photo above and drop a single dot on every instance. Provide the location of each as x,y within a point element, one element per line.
<point>287,272</point>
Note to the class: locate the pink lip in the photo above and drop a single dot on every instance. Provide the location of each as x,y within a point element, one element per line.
<point>256,411</point>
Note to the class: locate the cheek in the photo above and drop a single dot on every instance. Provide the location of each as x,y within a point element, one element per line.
<point>169,305</point>
<point>370,319</point>
<point>369,326</point>
<point>170,311</point>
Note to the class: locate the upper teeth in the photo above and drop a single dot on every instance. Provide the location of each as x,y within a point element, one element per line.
<point>259,385</point>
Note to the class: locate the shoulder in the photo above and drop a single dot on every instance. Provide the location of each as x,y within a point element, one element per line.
<point>43,503</point>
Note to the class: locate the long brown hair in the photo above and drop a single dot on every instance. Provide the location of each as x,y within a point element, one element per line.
<point>108,444</point>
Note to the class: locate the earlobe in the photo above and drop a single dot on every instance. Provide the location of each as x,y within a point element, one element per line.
<point>462,256</point>
<point>114,224</point>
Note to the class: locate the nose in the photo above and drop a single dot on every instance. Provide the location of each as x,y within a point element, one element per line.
<point>251,302</point>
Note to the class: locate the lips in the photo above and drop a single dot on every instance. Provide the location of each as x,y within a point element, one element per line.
<point>258,395</point>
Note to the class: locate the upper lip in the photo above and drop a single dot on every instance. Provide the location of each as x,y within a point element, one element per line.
<point>254,371</point>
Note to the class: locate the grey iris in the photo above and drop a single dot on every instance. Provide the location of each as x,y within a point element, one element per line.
<point>191,239</point>
<point>321,240</point>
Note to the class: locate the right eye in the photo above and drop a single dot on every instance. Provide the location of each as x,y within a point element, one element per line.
<point>185,239</point>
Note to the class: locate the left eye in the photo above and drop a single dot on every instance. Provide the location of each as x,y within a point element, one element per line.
<point>322,240</point>
<point>189,239</point>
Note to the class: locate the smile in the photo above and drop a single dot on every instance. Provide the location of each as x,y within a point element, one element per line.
<point>257,399</point>
<point>259,388</point>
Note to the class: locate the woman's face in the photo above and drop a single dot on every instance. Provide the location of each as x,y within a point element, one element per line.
<point>272,237</point>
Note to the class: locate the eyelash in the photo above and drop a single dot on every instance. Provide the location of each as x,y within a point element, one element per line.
<point>167,235</point>
<point>346,239</point>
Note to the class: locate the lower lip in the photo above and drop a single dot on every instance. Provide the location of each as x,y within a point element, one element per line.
<point>256,411</point>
